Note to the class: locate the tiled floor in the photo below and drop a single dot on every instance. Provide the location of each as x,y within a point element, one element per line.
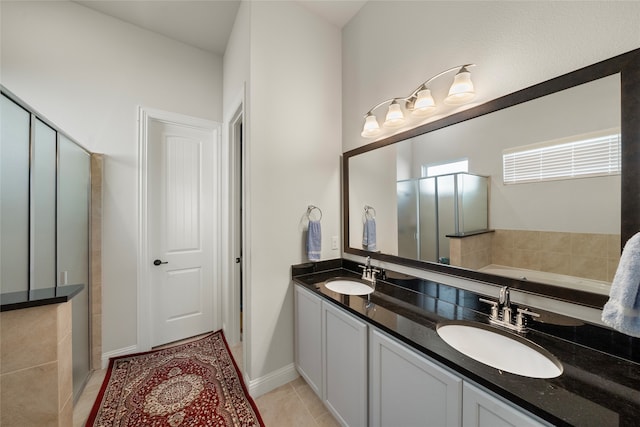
<point>291,405</point>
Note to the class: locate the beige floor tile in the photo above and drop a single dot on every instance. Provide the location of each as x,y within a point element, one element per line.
<point>283,408</point>
<point>327,420</point>
<point>298,382</point>
<point>84,404</point>
<point>236,352</point>
<point>311,401</point>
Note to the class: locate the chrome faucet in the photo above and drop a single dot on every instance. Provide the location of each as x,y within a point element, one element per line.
<point>505,301</point>
<point>501,312</point>
<point>368,272</point>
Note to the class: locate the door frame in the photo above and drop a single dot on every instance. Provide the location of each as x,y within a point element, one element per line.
<point>145,116</point>
<point>232,282</point>
<point>237,111</point>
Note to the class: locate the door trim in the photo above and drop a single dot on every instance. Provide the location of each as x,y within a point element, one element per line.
<point>144,315</point>
<point>231,193</point>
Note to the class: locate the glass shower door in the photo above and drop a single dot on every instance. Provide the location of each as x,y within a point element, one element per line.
<point>43,207</point>
<point>14,197</point>
<point>73,246</point>
<point>473,208</point>
<point>407,219</point>
<point>428,208</point>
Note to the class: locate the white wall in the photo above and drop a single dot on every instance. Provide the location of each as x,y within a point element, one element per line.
<point>373,183</point>
<point>294,144</point>
<point>292,130</point>
<point>87,73</point>
<point>391,47</point>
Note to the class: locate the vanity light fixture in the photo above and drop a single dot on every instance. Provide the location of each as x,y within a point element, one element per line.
<point>420,102</point>
<point>395,117</point>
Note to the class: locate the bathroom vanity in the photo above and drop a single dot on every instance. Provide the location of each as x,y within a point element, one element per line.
<point>378,360</point>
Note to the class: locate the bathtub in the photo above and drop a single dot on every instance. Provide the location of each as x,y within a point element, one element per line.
<point>560,280</point>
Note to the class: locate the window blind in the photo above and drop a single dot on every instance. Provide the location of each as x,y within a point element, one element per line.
<point>581,156</point>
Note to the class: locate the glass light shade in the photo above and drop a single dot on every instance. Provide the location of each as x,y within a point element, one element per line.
<point>394,117</point>
<point>462,89</point>
<point>371,126</point>
<point>424,104</point>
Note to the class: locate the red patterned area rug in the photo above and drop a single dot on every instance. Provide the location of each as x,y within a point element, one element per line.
<point>192,384</point>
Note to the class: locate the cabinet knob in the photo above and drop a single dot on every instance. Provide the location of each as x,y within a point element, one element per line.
<point>158,262</point>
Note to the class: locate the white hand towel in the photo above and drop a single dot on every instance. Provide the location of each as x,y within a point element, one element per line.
<point>314,241</point>
<point>622,311</point>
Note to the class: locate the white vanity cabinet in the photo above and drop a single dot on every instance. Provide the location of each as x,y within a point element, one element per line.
<point>345,354</point>
<point>367,377</point>
<point>331,355</point>
<point>406,389</point>
<point>308,333</point>
<point>482,409</point>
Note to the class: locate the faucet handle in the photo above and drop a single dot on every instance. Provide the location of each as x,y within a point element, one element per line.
<point>364,271</point>
<point>494,307</point>
<point>506,314</point>
<point>521,320</point>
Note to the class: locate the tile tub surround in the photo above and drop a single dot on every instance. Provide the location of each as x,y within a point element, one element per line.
<point>36,371</point>
<point>587,255</point>
<point>600,383</point>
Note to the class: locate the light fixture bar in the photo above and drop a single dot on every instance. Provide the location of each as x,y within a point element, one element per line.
<point>420,102</point>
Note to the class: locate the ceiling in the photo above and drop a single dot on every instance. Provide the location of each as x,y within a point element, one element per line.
<point>205,24</point>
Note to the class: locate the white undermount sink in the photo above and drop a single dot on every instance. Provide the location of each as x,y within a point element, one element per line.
<point>499,349</point>
<point>347,286</point>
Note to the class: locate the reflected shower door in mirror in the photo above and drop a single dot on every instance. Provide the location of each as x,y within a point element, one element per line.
<point>561,215</point>
<point>434,209</point>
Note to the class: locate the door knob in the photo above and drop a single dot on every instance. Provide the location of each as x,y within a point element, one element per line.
<point>158,262</point>
<point>237,260</point>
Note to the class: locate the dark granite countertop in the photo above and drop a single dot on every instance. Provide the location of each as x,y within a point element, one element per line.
<point>600,385</point>
<point>38,297</point>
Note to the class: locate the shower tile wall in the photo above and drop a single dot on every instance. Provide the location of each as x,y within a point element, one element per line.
<point>472,251</point>
<point>592,256</point>
<point>97,161</point>
<point>36,375</point>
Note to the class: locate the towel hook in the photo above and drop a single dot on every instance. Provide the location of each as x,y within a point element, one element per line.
<point>311,208</point>
<point>367,212</point>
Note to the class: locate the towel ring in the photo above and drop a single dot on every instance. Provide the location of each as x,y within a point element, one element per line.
<point>369,212</point>
<point>312,208</point>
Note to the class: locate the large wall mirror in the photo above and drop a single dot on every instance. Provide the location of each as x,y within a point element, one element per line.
<point>460,195</point>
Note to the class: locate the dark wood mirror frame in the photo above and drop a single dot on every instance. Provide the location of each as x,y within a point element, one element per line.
<point>628,65</point>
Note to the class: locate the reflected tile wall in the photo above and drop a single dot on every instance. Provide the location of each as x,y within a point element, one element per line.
<point>471,251</point>
<point>588,255</point>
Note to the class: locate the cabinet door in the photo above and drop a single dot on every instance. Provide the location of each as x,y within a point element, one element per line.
<point>409,390</point>
<point>308,338</point>
<point>481,409</point>
<point>345,368</point>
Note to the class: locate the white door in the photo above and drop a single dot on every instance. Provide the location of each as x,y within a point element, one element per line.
<point>181,218</point>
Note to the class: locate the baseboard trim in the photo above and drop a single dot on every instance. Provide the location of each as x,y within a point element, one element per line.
<point>272,380</point>
<point>115,353</point>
